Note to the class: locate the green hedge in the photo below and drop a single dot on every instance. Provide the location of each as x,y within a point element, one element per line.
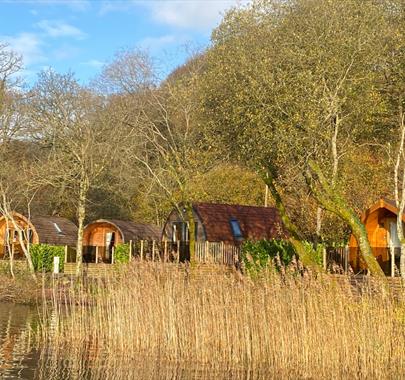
<point>42,256</point>
<point>258,255</point>
<point>121,253</point>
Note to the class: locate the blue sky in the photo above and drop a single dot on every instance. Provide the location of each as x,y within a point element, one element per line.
<point>83,35</point>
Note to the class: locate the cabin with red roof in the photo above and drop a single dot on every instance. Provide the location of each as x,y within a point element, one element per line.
<point>103,235</point>
<point>52,230</point>
<point>380,222</point>
<point>230,224</point>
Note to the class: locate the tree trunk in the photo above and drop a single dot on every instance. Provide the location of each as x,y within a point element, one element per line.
<point>318,225</point>
<point>24,247</point>
<point>11,261</point>
<point>402,260</point>
<point>400,233</point>
<point>191,229</point>
<point>306,254</point>
<point>26,251</point>
<point>329,198</point>
<point>10,249</point>
<point>81,214</point>
<point>399,189</point>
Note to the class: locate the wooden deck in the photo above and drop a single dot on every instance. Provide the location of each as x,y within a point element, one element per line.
<point>103,270</point>
<point>367,284</point>
<point>89,269</point>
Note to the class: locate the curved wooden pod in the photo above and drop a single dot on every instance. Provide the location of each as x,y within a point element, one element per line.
<point>53,230</point>
<point>380,222</point>
<point>101,236</point>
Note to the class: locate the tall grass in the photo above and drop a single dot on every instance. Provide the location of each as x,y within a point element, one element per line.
<point>290,328</point>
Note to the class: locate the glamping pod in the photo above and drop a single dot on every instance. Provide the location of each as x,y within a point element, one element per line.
<point>52,230</point>
<point>380,222</point>
<point>229,224</point>
<point>101,236</point>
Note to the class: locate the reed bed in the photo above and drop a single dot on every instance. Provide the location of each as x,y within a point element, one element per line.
<point>285,327</point>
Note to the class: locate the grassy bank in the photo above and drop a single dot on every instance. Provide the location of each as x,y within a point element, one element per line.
<point>293,328</point>
<point>22,289</point>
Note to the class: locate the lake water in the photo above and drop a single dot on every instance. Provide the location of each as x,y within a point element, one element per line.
<point>17,358</point>
<point>22,358</point>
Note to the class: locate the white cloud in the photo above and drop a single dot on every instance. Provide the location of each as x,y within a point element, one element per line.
<point>29,45</point>
<point>57,28</point>
<point>192,14</point>
<point>79,5</point>
<point>65,52</point>
<point>74,5</point>
<point>114,6</point>
<point>94,63</point>
<point>153,43</point>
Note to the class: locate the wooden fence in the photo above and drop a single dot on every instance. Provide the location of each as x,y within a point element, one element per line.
<point>165,251</point>
<point>217,253</point>
<point>336,257</point>
<point>388,258</point>
<point>335,260</point>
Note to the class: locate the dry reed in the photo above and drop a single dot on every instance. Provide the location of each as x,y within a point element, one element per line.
<point>294,328</point>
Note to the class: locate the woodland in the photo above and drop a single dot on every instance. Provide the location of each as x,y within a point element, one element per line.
<point>304,97</point>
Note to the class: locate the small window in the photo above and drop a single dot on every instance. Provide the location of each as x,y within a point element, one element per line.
<point>236,230</point>
<point>57,228</point>
<point>28,235</point>
<point>181,231</point>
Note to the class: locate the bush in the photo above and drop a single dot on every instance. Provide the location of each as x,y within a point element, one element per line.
<point>258,255</point>
<point>42,256</point>
<point>121,253</point>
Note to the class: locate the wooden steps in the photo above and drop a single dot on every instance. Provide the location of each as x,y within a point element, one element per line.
<point>102,270</point>
<point>89,269</point>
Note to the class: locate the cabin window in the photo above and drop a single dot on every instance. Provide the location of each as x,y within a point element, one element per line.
<point>12,235</point>
<point>28,235</point>
<point>57,228</point>
<point>236,230</point>
<point>195,231</point>
<point>181,231</point>
<point>394,240</point>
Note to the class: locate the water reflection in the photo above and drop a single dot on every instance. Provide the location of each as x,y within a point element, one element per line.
<point>17,358</point>
<point>23,357</point>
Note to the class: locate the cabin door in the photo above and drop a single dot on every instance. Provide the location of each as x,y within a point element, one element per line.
<point>394,241</point>
<point>394,245</point>
<point>109,245</point>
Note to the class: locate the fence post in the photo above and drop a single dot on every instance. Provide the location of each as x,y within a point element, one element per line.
<point>96,254</point>
<point>325,264</point>
<point>207,251</point>
<point>165,252</point>
<point>346,258</point>
<point>153,250</point>
<point>178,251</point>
<point>56,264</point>
<point>130,250</point>
<point>141,250</point>
<point>392,251</point>
<point>112,255</point>
<point>66,253</point>
<point>222,253</point>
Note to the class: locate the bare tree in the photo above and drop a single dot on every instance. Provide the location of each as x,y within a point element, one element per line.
<point>14,185</point>
<point>72,124</point>
<point>12,223</point>
<point>399,186</point>
<point>393,90</point>
<point>161,117</point>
